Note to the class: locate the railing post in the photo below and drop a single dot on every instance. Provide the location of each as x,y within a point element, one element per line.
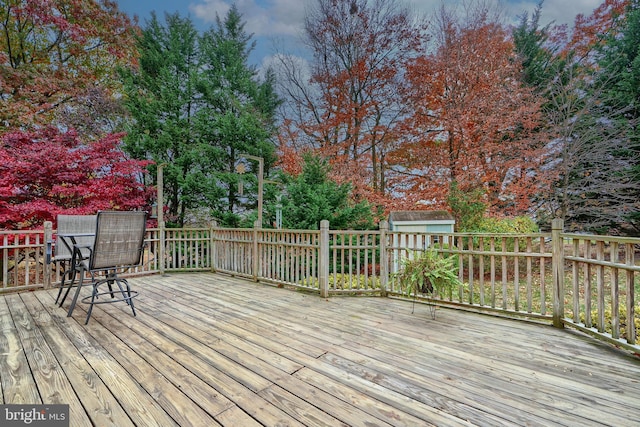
<point>48,248</point>
<point>213,253</point>
<point>255,263</point>
<point>161,248</point>
<point>324,259</point>
<point>384,260</point>
<point>557,242</point>
<point>161,224</point>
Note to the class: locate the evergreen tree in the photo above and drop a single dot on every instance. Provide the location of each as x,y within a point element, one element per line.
<point>620,71</point>
<point>198,106</point>
<point>161,98</point>
<point>237,118</point>
<point>586,179</point>
<point>539,62</point>
<point>312,197</point>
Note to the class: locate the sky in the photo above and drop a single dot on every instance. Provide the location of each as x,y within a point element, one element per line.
<point>279,22</point>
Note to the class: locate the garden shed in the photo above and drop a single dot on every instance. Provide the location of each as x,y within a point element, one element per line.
<point>418,230</point>
<point>422,221</point>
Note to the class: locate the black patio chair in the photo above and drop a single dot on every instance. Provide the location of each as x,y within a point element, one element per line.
<point>72,230</point>
<point>118,246</point>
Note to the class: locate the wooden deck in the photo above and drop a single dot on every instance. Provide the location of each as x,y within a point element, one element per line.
<point>208,349</point>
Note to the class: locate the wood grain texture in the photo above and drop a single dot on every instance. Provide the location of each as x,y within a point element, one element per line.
<point>17,383</point>
<point>211,349</point>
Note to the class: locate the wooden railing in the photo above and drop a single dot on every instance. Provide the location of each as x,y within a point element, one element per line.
<point>507,273</point>
<point>234,251</point>
<point>188,249</point>
<point>600,286</point>
<point>22,259</point>
<point>584,281</point>
<point>355,262</point>
<point>23,256</point>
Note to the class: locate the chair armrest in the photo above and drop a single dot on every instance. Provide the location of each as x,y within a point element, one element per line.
<point>77,250</point>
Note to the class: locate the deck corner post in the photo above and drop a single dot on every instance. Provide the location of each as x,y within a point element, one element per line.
<point>48,249</point>
<point>324,259</point>
<point>162,241</point>
<point>255,260</point>
<point>557,241</point>
<point>213,254</point>
<point>384,262</point>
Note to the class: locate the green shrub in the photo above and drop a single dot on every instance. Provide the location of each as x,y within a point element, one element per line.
<point>608,317</point>
<point>427,273</point>
<point>519,224</point>
<point>467,206</point>
<point>345,282</point>
<point>447,250</point>
<point>516,225</point>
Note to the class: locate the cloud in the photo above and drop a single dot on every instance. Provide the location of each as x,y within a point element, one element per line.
<point>278,25</point>
<point>261,17</point>
<point>558,11</point>
<point>208,10</point>
<point>286,17</point>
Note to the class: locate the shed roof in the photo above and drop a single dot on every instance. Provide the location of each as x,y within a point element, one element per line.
<point>398,216</point>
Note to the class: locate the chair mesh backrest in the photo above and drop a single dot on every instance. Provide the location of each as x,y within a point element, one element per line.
<point>74,224</point>
<point>119,240</point>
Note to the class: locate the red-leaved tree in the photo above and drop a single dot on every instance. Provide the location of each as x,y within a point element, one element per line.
<point>474,119</point>
<point>47,172</point>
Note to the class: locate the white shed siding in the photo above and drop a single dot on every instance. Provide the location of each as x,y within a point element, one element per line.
<point>421,232</point>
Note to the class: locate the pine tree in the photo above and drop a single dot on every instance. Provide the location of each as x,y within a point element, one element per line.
<point>197,106</point>
<point>312,197</point>
<point>161,97</point>
<point>588,121</point>
<point>237,118</point>
<point>539,57</point>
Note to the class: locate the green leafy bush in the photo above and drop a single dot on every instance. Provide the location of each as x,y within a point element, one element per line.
<point>623,318</point>
<point>449,251</point>
<point>345,282</point>
<point>467,205</point>
<point>427,273</point>
<point>519,224</point>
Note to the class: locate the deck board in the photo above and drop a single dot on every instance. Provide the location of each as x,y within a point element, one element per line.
<point>211,349</point>
<point>16,380</point>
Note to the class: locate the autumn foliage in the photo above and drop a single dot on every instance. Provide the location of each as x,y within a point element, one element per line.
<point>589,31</point>
<point>403,114</point>
<point>53,51</point>
<point>45,173</point>
<point>412,112</point>
<point>58,62</point>
<point>351,111</point>
<point>474,119</point>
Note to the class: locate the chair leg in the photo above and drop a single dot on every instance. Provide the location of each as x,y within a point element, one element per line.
<point>75,296</point>
<point>94,293</point>
<point>126,293</point>
<point>110,283</point>
<point>130,300</point>
<point>71,278</point>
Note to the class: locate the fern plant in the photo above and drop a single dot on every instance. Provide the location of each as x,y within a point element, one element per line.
<point>428,273</point>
